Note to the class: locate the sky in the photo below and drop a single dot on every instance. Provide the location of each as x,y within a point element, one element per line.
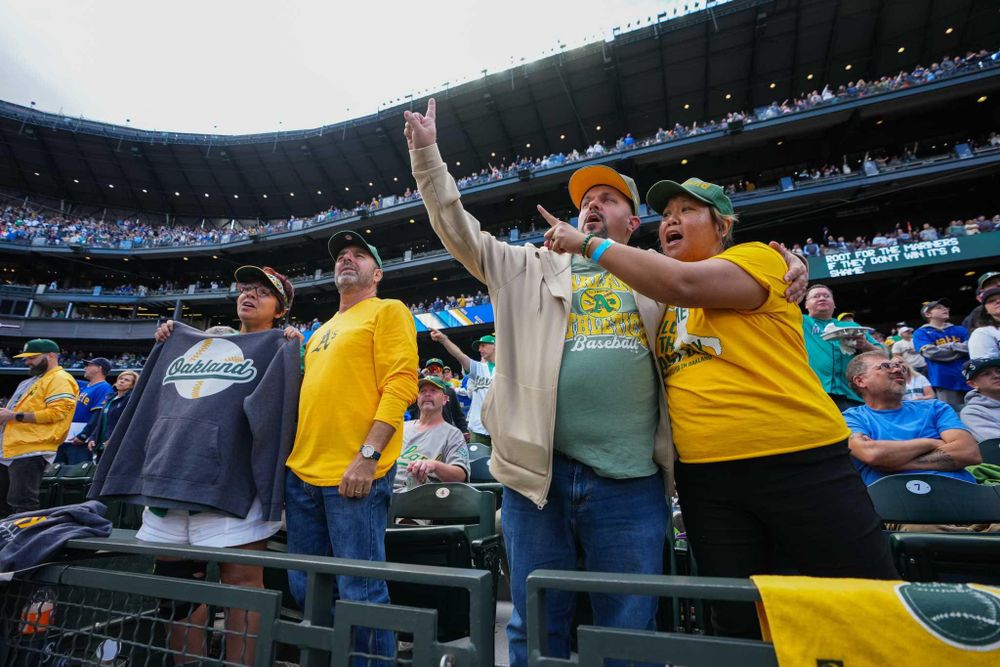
<point>225,67</point>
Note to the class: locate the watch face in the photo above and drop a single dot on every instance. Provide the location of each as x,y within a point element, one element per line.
<point>367,451</point>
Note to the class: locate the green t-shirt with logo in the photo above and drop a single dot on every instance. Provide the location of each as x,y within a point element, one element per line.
<point>607,405</point>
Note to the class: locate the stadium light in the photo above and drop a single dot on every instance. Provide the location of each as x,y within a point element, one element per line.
<point>319,192</point>
<point>847,67</point>
<point>264,196</point>
<point>729,96</point>
<point>982,99</point>
<point>370,184</point>
<point>458,163</point>
<point>368,231</point>
<point>809,76</point>
<point>684,161</point>
<point>111,185</point>
<point>206,195</point>
<point>291,194</point>
<point>395,180</point>
<point>412,221</point>
<point>773,85</point>
<point>185,259</point>
<point>562,136</point>
<point>236,196</point>
<point>144,191</point>
<point>949,31</point>
<point>901,49</point>
<point>598,128</point>
<point>37,174</point>
<point>76,180</point>
<point>177,194</point>
<point>687,106</point>
<point>347,189</point>
<point>215,257</point>
<point>493,154</point>
<point>528,145</point>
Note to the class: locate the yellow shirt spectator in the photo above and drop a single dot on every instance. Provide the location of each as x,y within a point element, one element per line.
<point>52,399</point>
<point>360,366</point>
<point>738,383</point>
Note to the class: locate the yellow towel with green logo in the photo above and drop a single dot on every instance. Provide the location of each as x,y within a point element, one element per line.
<point>854,622</point>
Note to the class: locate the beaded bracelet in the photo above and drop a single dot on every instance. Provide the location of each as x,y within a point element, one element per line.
<point>605,244</point>
<point>586,240</point>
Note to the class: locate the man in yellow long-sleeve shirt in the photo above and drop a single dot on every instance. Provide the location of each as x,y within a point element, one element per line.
<point>360,376</point>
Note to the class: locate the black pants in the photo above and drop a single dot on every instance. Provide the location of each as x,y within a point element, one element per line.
<point>19,485</point>
<point>843,402</point>
<point>807,510</point>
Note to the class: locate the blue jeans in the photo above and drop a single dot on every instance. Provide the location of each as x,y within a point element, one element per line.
<point>322,523</point>
<point>619,525</point>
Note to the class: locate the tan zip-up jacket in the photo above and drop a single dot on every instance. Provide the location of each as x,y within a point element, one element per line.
<point>531,293</point>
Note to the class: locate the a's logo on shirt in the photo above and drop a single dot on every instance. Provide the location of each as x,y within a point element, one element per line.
<point>956,614</point>
<point>208,367</point>
<point>599,302</point>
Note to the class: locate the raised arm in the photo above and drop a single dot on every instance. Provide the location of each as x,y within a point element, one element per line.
<point>454,350</point>
<point>488,260</point>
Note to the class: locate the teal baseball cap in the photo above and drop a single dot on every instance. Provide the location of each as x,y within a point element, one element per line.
<point>491,339</point>
<point>433,361</point>
<point>341,240</point>
<point>710,193</point>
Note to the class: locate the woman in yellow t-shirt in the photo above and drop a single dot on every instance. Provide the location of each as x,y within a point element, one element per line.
<point>764,466</point>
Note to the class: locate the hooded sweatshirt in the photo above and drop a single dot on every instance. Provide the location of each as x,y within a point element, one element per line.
<point>982,415</point>
<point>30,538</point>
<point>208,427</point>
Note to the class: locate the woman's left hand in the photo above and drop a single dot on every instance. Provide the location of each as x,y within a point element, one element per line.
<point>292,333</point>
<point>797,276</point>
<point>562,237</point>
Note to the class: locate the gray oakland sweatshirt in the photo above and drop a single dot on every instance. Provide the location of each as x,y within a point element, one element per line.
<point>209,427</point>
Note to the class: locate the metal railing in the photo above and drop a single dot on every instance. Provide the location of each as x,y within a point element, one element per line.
<point>597,644</point>
<point>79,614</point>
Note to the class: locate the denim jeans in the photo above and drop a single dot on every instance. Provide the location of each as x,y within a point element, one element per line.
<point>618,525</point>
<point>322,523</point>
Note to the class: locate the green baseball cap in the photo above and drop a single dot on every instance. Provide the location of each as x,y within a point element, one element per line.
<point>38,346</point>
<point>585,178</point>
<point>434,380</point>
<point>710,193</point>
<point>341,240</point>
<point>491,339</point>
<point>434,361</point>
<point>989,275</point>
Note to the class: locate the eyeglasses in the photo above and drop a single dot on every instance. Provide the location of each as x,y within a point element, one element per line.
<point>259,290</point>
<point>890,366</point>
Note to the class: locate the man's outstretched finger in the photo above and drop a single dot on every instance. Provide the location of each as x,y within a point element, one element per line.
<point>549,218</point>
<point>432,108</point>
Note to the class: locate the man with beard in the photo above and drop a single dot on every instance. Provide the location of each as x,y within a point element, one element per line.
<point>360,375</point>
<point>33,425</point>
<point>576,415</point>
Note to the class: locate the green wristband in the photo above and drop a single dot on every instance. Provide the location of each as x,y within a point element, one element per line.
<point>586,240</point>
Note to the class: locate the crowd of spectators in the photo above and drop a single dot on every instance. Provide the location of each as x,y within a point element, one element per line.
<point>76,359</point>
<point>902,234</point>
<point>25,224</point>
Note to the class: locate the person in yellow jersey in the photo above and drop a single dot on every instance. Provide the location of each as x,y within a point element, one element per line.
<point>360,376</point>
<point>763,466</point>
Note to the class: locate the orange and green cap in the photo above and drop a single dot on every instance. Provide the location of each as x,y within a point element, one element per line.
<point>710,193</point>
<point>585,178</point>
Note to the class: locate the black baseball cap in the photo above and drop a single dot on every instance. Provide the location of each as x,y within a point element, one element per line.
<point>341,240</point>
<point>927,305</point>
<point>974,367</point>
<point>267,276</point>
<point>104,363</point>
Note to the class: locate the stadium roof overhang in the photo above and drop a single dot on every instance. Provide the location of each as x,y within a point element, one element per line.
<point>734,56</point>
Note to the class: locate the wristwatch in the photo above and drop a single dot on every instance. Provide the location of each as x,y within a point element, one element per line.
<point>370,453</point>
<point>19,416</point>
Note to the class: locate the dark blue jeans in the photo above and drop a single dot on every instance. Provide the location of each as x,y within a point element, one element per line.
<point>322,523</point>
<point>618,525</point>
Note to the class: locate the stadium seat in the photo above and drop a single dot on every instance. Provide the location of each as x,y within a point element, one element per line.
<point>990,450</point>
<point>463,534</point>
<point>65,484</point>
<point>479,451</point>
<point>50,484</point>
<point>479,470</point>
<point>934,499</point>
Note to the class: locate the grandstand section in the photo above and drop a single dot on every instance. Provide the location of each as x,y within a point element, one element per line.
<point>863,134</point>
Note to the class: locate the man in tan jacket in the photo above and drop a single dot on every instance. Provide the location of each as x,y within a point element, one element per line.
<point>576,412</point>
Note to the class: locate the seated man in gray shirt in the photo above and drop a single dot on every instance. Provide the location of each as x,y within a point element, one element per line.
<point>433,450</point>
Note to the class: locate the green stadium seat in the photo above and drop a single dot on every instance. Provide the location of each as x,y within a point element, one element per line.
<point>463,534</point>
<point>479,451</point>
<point>922,498</point>
<point>479,470</point>
<point>933,499</point>
<point>990,450</point>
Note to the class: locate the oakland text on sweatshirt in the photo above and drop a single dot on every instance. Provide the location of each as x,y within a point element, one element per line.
<point>209,426</point>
